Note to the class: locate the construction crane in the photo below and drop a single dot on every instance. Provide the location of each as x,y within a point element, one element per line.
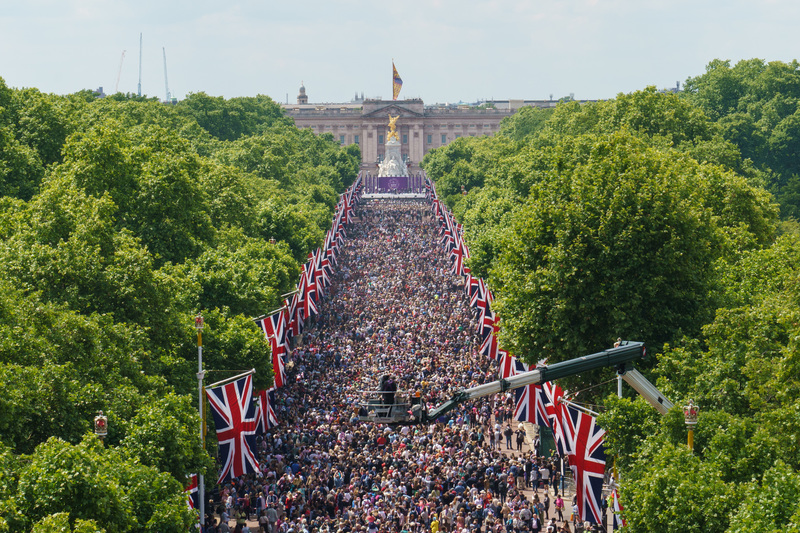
<point>140,65</point>
<point>119,72</point>
<point>166,81</point>
<point>377,409</point>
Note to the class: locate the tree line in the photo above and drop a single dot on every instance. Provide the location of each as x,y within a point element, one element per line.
<point>667,218</point>
<point>120,219</point>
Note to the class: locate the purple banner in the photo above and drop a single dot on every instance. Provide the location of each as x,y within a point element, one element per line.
<point>393,183</point>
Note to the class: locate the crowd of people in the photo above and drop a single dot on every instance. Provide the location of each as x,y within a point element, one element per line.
<point>393,312</point>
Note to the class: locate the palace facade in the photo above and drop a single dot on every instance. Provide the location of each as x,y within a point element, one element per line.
<point>420,128</point>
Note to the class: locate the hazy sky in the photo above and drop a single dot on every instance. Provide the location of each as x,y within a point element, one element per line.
<point>445,50</point>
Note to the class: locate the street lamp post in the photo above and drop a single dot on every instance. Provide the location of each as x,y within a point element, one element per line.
<point>201,489</point>
<point>101,426</point>
<point>690,417</point>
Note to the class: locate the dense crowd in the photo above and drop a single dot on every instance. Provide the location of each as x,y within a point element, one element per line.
<point>393,312</point>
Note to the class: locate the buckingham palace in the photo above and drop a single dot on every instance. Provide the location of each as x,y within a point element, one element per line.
<point>420,127</point>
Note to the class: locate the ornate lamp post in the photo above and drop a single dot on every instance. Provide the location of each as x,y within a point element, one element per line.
<point>101,425</point>
<point>690,417</point>
<point>198,324</point>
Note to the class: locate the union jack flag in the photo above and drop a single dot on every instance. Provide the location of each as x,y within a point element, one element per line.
<point>488,331</point>
<point>235,419</point>
<point>347,208</point>
<point>484,304</point>
<point>587,461</point>
<point>448,243</point>
<point>265,415</point>
<point>530,407</point>
<point>619,520</point>
<point>470,284</point>
<point>324,269</point>
<point>296,307</point>
<point>507,364</point>
<point>551,398</point>
<point>435,207</point>
<point>477,292</point>
<point>275,329</point>
<point>308,288</point>
<point>192,496</point>
<point>340,236</point>
<point>333,247</point>
<point>458,255</point>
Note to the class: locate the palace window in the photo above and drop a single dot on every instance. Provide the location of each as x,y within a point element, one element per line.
<point>405,139</point>
<point>357,139</point>
<point>380,139</point>
<point>444,138</point>
<point>341,139</point>
<point>430,139</point>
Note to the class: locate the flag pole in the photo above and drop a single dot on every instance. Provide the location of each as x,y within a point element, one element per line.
<point>201,489</point>
<point>256,319</point>
<point>579,407</point>
<point>234,378</point>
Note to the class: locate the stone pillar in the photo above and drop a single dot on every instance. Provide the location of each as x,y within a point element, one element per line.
<point>416,144</point>
<point>369,146</point>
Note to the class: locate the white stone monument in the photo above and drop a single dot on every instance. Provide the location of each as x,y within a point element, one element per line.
<point>392,164</point>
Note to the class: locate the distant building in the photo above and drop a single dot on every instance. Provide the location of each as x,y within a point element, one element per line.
<point>420,128</point>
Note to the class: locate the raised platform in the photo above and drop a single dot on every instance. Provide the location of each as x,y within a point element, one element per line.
<point>392,195</point>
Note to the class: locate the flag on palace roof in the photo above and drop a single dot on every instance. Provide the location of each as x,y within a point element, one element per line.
<point>397,82</point>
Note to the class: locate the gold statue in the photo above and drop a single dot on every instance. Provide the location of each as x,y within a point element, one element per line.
<point>393,128</point>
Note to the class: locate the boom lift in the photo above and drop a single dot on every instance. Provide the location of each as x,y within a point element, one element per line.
<point>621,357</point>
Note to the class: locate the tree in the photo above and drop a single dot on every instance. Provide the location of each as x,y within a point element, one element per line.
<point>671,490</point>
<point>59,523</point>
<point>525,123</point>
<point>245,275</point>
<point>96,484</point>
<point>41,123</point>
<point>755,104</point>
<point>164,434</point>
<point>21,169</point>
<point>234,118</point>
<point>771,505</point>
<point>80,480</point>
<point>616,239</point>
<point>628,422</point>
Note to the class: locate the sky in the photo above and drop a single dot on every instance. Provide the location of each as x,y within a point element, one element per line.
<point>445,50</point>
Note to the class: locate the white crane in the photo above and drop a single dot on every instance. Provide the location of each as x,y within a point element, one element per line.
<point>119,72</point>
<point>140,65</point>
<point>166,81</point>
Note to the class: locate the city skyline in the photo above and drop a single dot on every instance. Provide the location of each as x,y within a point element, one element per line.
<point>445,51</point>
